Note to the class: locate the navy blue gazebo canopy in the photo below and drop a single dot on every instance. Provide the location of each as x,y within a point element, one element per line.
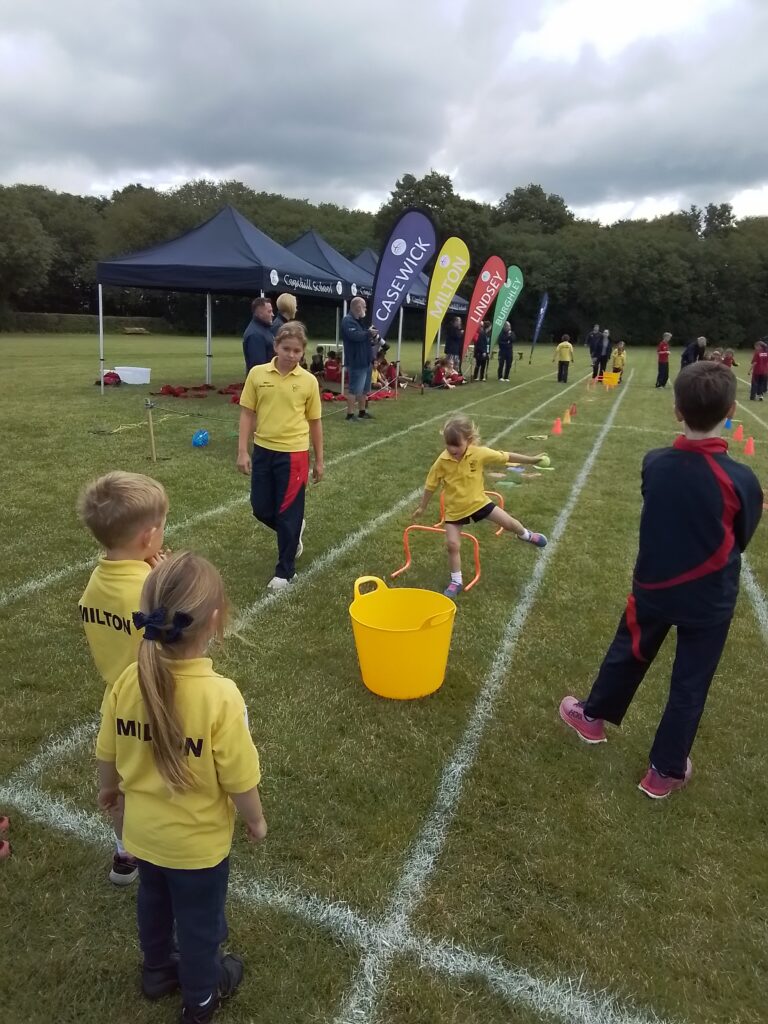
<point>224,254</point>
<point>312,247</point>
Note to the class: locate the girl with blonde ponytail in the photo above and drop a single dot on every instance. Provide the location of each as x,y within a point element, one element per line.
<point>174,738</point>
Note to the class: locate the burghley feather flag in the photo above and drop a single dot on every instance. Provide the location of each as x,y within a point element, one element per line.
<point>448,273</point>
<point>508,295</point>
<point>489,281</point>
<point>411,244</point>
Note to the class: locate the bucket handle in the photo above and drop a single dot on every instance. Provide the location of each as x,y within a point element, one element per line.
<point>437,620</point>
<point>380,584</point>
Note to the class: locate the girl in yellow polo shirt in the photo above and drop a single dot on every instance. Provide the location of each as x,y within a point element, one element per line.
<point>459,469</point>
<point>174,739</point>
<point>280,406</point>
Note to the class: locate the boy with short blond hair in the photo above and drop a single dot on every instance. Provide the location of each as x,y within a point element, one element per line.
<point>126,514</point>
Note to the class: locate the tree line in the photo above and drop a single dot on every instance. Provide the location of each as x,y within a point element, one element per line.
<point>697,271</point>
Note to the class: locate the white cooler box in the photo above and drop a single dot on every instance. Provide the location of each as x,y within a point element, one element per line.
<point>134,374</point>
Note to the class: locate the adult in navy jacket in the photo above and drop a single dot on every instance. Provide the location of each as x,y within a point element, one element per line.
<point>694,352</point>
<point>258,343</point>
<point>358,340</point>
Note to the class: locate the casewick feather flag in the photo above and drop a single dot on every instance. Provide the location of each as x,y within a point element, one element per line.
<point>411,244</point>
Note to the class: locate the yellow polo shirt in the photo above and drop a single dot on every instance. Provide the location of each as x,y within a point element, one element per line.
<point>284,405</point>
<point>463,481</point>
<point>564,352</point>
<point>619,360</point>
<point>111,597</point>
<point>192,829</point>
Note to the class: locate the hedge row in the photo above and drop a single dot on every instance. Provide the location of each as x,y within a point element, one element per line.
<point>78,323</point>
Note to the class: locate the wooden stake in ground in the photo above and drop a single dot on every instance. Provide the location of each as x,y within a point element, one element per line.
<point>149,406</point>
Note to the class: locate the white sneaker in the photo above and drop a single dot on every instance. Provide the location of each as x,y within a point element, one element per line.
<point>300,548</point>
<point>279,583</point>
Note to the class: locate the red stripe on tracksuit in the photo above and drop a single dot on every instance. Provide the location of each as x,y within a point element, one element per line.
<point>634,628</point>
<point>299,476</point>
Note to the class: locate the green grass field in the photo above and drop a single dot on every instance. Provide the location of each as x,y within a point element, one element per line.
<point>456,859</point>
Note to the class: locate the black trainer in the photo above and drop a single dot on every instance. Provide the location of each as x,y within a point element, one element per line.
<point>157,982</point>
<point>231,976</point>
<point>364,415</point>
<point>350,417</point>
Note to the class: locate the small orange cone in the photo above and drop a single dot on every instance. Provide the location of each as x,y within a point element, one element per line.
<point>567,417</point>
<point>557,427</point>
<point>749,447</point>
<point>738,434</point>
<point>573,409</point>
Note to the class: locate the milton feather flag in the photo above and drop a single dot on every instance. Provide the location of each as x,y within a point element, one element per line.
<point>449,271</point>
<point>489,282</point>
<point>411,244</point>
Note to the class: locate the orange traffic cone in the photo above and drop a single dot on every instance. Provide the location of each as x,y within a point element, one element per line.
<point>738,434</point>
<point>749,447</point>
<point>567,417</point>
<point>573,409</point>
<point>557,427</point>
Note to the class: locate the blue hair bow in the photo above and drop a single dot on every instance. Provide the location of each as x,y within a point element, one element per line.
<point>156,628</point>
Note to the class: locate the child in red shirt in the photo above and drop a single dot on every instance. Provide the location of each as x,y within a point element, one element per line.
<point>662,350</point>
<point>729,359</point>
<point>759,371</point>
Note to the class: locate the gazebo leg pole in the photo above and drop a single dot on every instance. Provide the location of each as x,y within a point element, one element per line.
<point>208,339</point>
<point>101,338</point>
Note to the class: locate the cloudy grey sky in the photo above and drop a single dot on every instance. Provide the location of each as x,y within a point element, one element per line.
<point>624,108</point>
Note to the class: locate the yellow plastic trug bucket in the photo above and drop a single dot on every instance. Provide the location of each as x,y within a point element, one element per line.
<point>402,637</point>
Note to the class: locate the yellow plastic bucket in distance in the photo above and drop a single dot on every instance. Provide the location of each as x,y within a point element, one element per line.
<point>402,637</point>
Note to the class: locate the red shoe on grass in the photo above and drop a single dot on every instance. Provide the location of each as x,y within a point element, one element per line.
<point>572,713</point>
<point>658,786</point>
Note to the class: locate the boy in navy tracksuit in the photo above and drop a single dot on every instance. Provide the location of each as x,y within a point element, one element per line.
<point>700,509</point>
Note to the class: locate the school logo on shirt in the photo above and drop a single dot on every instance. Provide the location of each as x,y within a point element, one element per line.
<point>472,465</point>
<point>141,731</point>
<point>101,618</point>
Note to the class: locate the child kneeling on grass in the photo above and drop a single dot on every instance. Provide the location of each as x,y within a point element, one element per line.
<point>700,509</point>
<point>126,514</point>
<point>174,739</point>
<point>459,469</point>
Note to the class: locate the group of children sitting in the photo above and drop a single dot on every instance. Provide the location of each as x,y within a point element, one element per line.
<point>384,375</point>
<point>443,375</point>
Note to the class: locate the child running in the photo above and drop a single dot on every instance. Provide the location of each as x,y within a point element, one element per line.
<point>126,514</point>
<point>700,509</point>
<point>759,372</point>
<point>280,406</point>
<point>619,359</point>
<point>459,469</point>
<point>174,740</point>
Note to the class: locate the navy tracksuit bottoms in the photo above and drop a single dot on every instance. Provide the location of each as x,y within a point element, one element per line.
<point>637,642</point>
<point>278,488</point>
<point>193,902</point>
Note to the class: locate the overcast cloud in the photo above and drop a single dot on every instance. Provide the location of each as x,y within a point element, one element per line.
<point>622,108</point>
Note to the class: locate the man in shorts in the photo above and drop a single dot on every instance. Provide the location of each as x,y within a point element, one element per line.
<point>357,340</point>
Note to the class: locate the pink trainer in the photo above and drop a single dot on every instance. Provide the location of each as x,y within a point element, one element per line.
<point>658,786</point>
<point>572,713</point>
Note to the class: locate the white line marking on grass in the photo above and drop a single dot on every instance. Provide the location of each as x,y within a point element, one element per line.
<point>359,1005</point>
<point>746,408</point>
<point>562,999</point>
<point>245,619</point>
<point>59,748</point>
<point>49,579</point>
<point>757,597</point>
